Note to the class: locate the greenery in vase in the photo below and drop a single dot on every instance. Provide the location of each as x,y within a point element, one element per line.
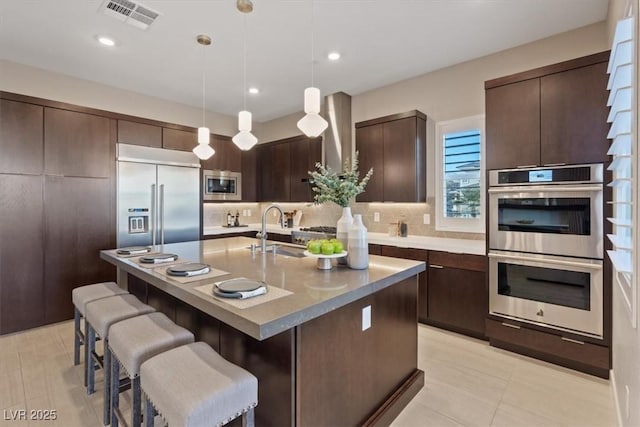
<point>340,189</point>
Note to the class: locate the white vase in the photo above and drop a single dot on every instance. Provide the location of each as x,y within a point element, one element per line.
<point>342,230</point>
<point>358,247</point>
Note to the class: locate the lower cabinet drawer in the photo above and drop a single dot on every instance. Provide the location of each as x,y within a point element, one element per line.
<point>543,342</point>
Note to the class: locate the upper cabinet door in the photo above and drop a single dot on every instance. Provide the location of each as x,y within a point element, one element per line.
<point>249,169</point>
<point>174,139</point>
<point>139,134</point>
<point>304,153</point>
<point>574,116</point>
<point>20,137</point>
<point>369,144</point>
<point>513,125</point>
<point>77,144</point>
<point>400,157</point>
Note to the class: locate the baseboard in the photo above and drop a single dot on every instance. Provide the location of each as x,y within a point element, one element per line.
<point>616,401</point>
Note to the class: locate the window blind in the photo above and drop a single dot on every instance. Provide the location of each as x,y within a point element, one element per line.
<point>622,151</point>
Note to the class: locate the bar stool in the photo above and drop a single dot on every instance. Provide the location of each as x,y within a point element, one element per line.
<point>80,297</point>
<point>100,315</point>
<point>133,341</point>
<point>193,386</point>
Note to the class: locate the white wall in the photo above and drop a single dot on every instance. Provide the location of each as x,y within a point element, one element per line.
<point>26,80</point>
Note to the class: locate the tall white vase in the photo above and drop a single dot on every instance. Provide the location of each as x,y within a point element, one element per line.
<point>358,256</point>
<point>342,230</point>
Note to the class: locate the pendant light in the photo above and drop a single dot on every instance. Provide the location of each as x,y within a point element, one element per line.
<point>312,124</point>
<point>203,150</point>
<point>244,139</point>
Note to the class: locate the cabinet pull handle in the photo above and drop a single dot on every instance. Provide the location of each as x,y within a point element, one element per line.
<point>509,325</point>
<point>572,340</point>
<point>526,166</point>
<point>435,266</point>
<point>554,164</point>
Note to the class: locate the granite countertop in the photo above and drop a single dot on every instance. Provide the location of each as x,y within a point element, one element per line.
<point>465,246</point>
<point>314,292</point>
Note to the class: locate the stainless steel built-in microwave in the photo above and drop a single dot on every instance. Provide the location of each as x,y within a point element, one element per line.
<point>221,185</point>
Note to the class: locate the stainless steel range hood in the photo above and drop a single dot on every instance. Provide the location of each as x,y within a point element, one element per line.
<point>337,141</point>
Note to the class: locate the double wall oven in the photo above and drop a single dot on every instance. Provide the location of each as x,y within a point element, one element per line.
<point>546,246</point>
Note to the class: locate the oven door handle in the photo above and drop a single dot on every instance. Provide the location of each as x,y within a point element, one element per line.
<point>537,189</point>
<point>547,261</point>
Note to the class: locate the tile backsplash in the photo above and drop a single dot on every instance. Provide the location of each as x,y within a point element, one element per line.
<point>329,213</point>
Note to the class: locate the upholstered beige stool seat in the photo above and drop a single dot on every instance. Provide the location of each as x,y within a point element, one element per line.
<point>132,342</point>
<point>194,386</point>
<point>80,297</point>
<point>100,315</point>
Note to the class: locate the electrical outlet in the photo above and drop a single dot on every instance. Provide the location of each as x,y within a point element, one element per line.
<point>248,212</point>
<point>426,219</point>
<point>376,217</point>
<point>366,318</point>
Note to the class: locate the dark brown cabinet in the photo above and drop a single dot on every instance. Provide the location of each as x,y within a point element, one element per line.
<point>304,154</point>
<point>176,139</point>
<point>227,156</point>
<point>139,134</point>
<point>79,223</point>
<point>22,297</point>
<point>395,147</point>
<point>273,172</point>
<point>548,116</point>
<point>249,167</point>
<point>283,169</point>
<point>417,255</point>
<point>77,144</point>
<point>457,293</point>
<point>21,143</point>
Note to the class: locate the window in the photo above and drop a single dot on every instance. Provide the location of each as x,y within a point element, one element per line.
<point>460,175</point>
<point>624,157</point>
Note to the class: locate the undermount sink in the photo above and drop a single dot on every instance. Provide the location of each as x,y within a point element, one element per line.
<point>290,251</point>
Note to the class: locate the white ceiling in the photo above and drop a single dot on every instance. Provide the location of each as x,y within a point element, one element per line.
<point>381,41</point>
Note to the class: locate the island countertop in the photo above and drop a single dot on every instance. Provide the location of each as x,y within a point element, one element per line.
<point>313,292</point>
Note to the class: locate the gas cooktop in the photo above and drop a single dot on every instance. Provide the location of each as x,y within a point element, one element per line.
<point>320,229</point>
<point>305,234</point>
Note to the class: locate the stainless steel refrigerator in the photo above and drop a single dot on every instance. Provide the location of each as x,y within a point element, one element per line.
<point>158,196</point>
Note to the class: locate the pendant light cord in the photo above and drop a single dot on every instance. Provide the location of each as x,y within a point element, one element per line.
<point>312,44</point>
<point>244,62</point>
<point>204,82</point>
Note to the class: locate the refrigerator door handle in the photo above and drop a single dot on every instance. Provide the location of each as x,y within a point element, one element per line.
<point>153,214</point>
<point>162,214</point>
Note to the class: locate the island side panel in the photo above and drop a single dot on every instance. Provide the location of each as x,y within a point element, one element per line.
<point>344,373</point>
<point>272,362</point>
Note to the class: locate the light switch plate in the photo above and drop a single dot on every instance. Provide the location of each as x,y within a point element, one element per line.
<point>376,217</point>
<point>366,318</point>
<point>426,218</point>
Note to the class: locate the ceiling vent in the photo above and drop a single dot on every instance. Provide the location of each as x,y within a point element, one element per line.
<point>130,12</point>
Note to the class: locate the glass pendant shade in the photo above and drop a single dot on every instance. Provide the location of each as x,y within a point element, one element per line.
<point>203,135</point>
<point>244,139</point>
<point>203,151</point>
<point>312,124</point>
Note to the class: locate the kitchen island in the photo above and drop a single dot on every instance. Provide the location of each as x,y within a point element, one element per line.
<point>316,360</point>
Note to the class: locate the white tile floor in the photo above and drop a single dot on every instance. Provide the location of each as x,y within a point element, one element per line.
<point>468,383</point>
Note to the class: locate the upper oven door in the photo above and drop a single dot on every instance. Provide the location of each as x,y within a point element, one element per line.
<point>547,219</point>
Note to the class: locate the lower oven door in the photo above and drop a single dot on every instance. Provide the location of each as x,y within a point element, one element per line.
<point>546,219</point>
<point>559,292</point>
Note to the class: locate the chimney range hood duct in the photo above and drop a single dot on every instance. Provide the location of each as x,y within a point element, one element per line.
<point>337,138</point>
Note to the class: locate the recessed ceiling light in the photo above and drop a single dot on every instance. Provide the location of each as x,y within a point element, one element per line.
<point>254,90</point>
<point>334,56</point>
<point>106,41</point>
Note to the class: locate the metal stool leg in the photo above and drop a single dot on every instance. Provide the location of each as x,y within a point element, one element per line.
<point>86,351</point>
<point>76,337</point>
<point>149,413</point>
<point>90,365</point>
<point>115,390</point>
<point>137,404</point>
<point>248,418</point>
<point>106,365</point>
